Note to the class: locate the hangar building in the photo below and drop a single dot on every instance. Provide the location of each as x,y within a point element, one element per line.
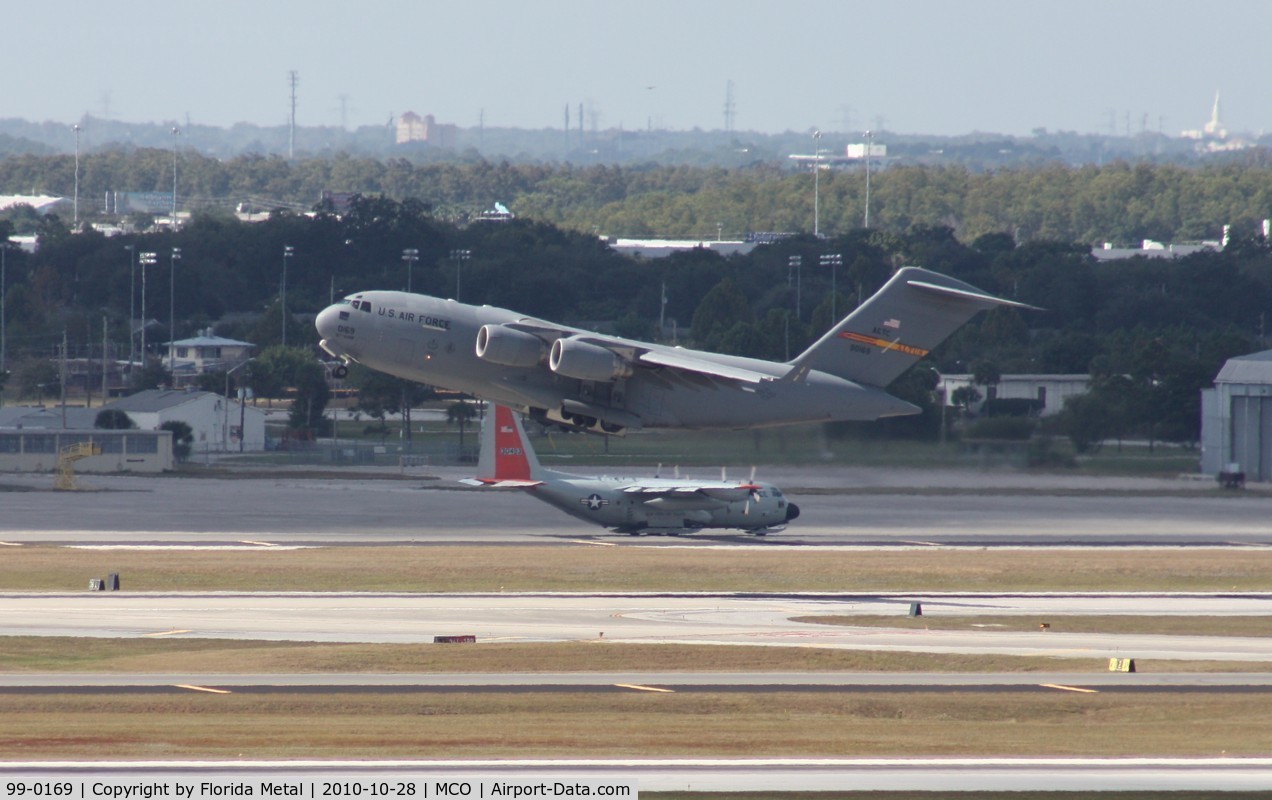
<point>1236,418</point>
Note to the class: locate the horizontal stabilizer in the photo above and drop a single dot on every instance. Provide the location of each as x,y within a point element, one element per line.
<point>497,484</point>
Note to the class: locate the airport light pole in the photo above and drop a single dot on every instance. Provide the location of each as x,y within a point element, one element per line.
<point>869,139</point>
<point>147,259</point>
<point>176,133</point>
<point>4,249</point>
<point>817,184</point>
<point>410,255</point>
<point>795,263</point>
<point>459,257</point>
<point>832,260</point>
<point>172,311</point>
<point>76,128</point>
<point>132,304</point>
<point>288,251</point>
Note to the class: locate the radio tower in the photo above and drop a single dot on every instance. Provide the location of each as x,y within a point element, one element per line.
<point>730,109</point>
<point>293,80</point>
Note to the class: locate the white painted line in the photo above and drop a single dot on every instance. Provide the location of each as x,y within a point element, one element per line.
<point>208,689</point>
<point>173,632</point>
<point>1069,688</point>
<point>640,688</point>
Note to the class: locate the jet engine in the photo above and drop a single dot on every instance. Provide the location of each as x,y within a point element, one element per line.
<point>587,362</point>
<point>509,346</point>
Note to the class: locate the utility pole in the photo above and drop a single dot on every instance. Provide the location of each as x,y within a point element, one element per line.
<point>176,132</point>
<point>76,128</point>
<point>132,304</point>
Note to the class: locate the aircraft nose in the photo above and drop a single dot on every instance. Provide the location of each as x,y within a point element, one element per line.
<point>792,511</point>
<point>327,320</point>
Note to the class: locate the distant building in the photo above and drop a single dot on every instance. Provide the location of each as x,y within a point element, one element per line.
<point>659,248</point>
<point>1213,136</point>
<point>853,155</point>
<point>42,203</point>
<point>188,358</point>
<point>1050,391</point>
<point>37,450</point>
<point>412,127</point>
<point>1151,249</point>
<point>1236,418</point>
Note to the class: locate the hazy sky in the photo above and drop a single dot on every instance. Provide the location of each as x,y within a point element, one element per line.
<point>914,66</point>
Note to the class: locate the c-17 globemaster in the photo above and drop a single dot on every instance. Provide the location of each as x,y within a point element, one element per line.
<point>608,384</point>
<point>626,505</point>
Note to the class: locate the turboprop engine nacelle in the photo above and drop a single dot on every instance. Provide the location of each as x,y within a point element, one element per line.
<point>587,362</point>
<point>509,346</point>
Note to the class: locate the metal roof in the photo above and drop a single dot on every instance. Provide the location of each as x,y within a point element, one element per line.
<point>1252,368</point>
<point>152,400</point>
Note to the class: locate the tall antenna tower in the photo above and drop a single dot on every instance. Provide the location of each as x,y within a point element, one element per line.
<point>293,80</point>
<point>730,108</point>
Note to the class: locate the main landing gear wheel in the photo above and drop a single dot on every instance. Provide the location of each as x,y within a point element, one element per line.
<point>341,372</point>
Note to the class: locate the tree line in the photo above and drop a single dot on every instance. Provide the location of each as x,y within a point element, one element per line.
<point>1166,325</point>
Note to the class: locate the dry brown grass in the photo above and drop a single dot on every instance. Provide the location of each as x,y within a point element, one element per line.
<point>614,723</point>
<point>618,569</point>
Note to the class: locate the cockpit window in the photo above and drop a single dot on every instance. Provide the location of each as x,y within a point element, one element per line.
<point>777,492</point>
<point>363,305</point>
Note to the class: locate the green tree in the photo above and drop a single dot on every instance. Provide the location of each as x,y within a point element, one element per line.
<point>182,438</point>
<point>722,308</point>
<point>460,413</point>
<point>113,419</point>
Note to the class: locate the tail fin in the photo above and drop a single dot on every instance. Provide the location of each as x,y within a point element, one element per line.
<point>506,456</point>
<point>914,312</point>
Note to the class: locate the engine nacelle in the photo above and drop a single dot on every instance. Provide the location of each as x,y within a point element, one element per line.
<point>587,362</point>
<point>509,346</point>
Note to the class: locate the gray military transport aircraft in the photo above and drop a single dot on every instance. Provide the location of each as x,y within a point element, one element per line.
<point>607,384</point>
<point>627,505</point>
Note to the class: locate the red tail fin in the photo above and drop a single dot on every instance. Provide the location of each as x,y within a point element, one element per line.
<point>511,463</point>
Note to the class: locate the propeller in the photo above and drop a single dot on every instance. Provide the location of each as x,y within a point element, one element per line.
<point>754,494</point>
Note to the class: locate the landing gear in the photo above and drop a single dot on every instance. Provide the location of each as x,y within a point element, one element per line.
<point>340,372</point>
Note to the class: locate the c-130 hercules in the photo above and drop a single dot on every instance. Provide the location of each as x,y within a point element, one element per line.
<point>587,380</point>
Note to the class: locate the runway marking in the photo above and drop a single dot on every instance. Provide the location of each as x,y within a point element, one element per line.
<point>640,688</point>
<point>208,689</point>
<point>261,544</point>
<point>594,544</point>
<point>1069,688</point>
<point>10,544</point>
<point>172,632</point>
<point>925,544</point>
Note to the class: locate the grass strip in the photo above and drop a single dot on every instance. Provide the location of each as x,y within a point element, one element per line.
<point>638,724</point>
<point>28,654</point>
<point>619,569</point>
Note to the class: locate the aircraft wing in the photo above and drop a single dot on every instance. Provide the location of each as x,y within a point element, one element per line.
<point>662,358</point>
<point>643,354</point>
<point>724,492</point>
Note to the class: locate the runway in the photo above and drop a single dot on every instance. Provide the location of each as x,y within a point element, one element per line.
<point>864,508</point>
<point>638,618</point>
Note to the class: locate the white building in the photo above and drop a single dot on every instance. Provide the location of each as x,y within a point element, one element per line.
<point>205,353</point>
<point>1236,418</point>
<point>218,424</point>
<point>1050,391</point>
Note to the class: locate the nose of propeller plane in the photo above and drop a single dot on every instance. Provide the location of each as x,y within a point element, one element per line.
<point>792,511</point>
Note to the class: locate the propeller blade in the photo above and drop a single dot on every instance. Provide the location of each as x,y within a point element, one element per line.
<point>752,480</point>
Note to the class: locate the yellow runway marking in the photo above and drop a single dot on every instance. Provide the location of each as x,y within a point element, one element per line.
<point>1069,688</point>
<point>173,632</point>
<point>644,688</point>
<point>194,688</point>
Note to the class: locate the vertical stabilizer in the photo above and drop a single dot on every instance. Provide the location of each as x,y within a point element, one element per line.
<point>506,455</point>
<point>901,323</point>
